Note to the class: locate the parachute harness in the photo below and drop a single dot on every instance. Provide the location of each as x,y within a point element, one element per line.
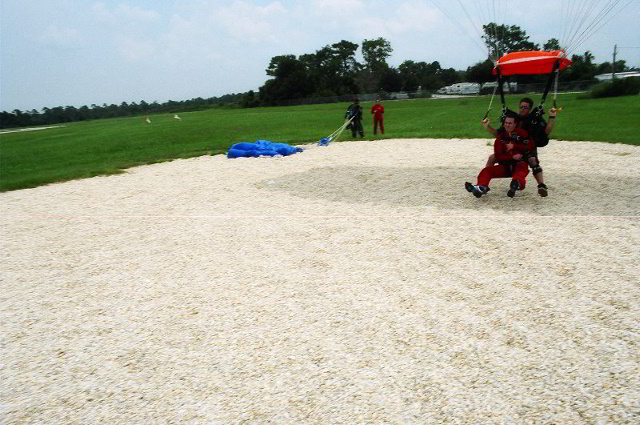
<point>555,61</point>
<point>539,111</point>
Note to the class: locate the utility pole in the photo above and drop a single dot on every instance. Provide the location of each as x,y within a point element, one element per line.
<point>613,65</point>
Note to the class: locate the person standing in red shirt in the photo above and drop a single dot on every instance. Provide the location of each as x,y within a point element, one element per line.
<point>377,110</point>
<point>511,149</point>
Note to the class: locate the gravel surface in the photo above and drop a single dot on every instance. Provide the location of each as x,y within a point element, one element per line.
<point>354,283</point>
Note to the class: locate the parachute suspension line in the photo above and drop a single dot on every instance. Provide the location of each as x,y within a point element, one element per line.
<point>581,20</point>
<point>498,34</point>
<point>444,11</point>
<point>597,24</point>
<point>490,102</point>
<point>578,35</point>
<point>562,27</point>
<point>555,89</point>
<point>499,31</point>
<point>473,25</point>
<point>334,136</point>
<point>445,7</point>
<point>572,17</point>
<point>492,16</point>
<point>556,71</point>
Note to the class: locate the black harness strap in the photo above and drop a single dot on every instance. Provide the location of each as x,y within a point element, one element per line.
<point>500,82</point>
<point>556,66</point>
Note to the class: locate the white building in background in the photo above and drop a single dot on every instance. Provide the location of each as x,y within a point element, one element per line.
<point>507,86</point>
<point>608,77</point>
<point>460,88</point>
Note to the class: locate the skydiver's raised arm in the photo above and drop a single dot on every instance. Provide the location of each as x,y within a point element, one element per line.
<point>491,130</point>
<point>551,122</point>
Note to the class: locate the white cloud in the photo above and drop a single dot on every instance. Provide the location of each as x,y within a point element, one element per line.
<point>136,14</point>
<point>136,50</point>
<point>124,14</point>
<point>414,16</point>
<point>337,8</point>
<point>252,23</point>
<point>60,36</point>
<point>102,14</point>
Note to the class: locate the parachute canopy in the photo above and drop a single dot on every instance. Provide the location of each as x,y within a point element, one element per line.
<point>261,148</point>
<point>531,62</point>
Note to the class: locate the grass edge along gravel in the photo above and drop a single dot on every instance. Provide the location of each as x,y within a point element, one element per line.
<point>103,147</point>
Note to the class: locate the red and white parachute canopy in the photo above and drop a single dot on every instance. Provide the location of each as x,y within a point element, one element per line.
<point>531,62</point>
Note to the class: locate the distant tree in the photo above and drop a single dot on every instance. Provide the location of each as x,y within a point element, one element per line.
<point>582,67</point>
<point>410,82</point>
<point>281,66</point>
<point>605,67</point>
<point>410,73</point>
<point>375,54</point>
<point>332,69</point>
<point>7,120</point>
<point>420,74</point>
<point>84,113</point>
<point>390,80</point>
<point>250,100</point>
<point>290,80</point>
<point>552,44</point>
<point>450,76</point>
<point>501,39</point>
<point>345,53</point>
<point>481,72</point>
<point>71,114</point>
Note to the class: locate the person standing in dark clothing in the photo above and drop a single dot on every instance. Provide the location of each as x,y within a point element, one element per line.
<point>355,111</point>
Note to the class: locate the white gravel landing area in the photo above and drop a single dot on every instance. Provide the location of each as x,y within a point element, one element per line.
<point>358,283</point>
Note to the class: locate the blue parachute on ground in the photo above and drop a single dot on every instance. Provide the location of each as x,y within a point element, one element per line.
<point>261,148</point>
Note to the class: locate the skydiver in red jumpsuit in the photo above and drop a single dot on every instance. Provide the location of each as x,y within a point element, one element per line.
<point>511,149</point>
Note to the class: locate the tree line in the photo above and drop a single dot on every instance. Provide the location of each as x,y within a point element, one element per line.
<point>62,114</point>
<point>334,71</point>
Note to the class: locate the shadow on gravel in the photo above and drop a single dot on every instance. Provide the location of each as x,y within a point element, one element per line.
<point>569,194</point>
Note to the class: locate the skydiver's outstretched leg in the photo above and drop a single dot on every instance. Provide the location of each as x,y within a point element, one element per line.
<point>537,174</point>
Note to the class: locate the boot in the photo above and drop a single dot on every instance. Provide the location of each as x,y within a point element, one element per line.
<point>512,188</point>
<point>477,190</point>
<point>542,190</point>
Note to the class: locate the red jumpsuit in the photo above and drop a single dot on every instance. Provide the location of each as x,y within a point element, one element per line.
<point>504,148</point>
<point>378,117</point>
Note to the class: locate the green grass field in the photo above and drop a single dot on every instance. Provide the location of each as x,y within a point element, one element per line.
<point>86,149</point>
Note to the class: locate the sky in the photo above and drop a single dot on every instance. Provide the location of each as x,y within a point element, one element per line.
<point>84,52</point>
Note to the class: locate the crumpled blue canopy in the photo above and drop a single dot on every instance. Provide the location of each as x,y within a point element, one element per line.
<point>261,148</point>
